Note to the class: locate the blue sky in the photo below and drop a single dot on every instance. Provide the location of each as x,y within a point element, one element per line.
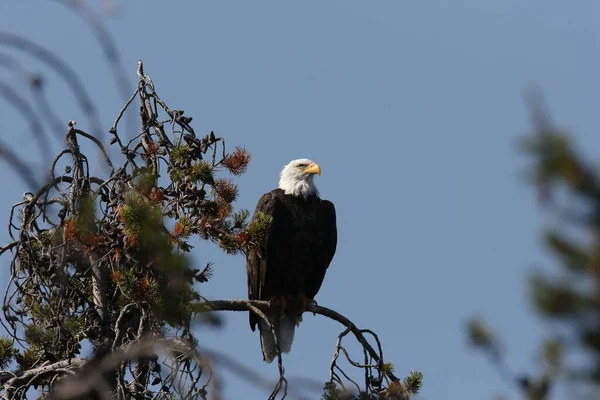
<point>412,109</point>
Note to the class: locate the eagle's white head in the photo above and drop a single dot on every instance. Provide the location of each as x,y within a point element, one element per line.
<point>297,178</point>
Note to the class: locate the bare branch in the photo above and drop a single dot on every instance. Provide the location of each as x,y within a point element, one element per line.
<point>31,376</point>
<point>36,83</point>
<point>109,48</point>
<point>69,76</point>
<point>35,125</point>
<point>15,162</point>
<point>248,305</point>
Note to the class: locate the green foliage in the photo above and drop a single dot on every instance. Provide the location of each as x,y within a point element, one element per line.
<point>552,354</point>
<point>568,187</point>
<point>330,391</point>
<point>387,368</point>
<point>575,258</point>
<point>145,180</point>
<point>74,325</point>
<point>201,171</point>
<point>405,390</point>
<point>6,351</point>
<point>29,357</point>
<point>37,336</point>
<point>137,289</point>
<point>41,311</point>
<point>257,229</point>
<point>413,382</point>
<point>240,219</point>
<point>229,244</point>
<point>210,208</point>
<point>140,218</point>
<point>179,153</point>
<point>556,298</point>
<point>86,213</point>
<point>480,335</point>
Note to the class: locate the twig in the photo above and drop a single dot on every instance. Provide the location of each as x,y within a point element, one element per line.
<point>251,375</point>
<point>111,52</point>
<point>36,83</point>
<point>30,377</point>
<point>100,146</point>
<point>16,163</point>
<point>70,77</point>
<point>8,246</point>
<point>35,125</point>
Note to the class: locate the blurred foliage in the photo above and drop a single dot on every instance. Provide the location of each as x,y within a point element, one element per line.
<point>6,351</point>
<point>568,189</point>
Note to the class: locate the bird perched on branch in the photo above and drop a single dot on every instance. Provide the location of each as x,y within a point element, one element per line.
<point>290,262</point>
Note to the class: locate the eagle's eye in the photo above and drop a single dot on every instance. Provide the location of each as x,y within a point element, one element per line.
<point>301,166</point>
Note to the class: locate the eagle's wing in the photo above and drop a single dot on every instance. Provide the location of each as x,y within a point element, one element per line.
<point>327,247</point>
<point>330,224</point>
<point>256,259</point>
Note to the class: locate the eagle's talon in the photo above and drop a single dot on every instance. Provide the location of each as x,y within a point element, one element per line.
<point>307,304</point>
<point>314,304</point>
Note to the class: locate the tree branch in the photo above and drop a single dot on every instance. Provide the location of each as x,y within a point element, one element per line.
<point>31,376</point>
<point>69,76</point>
<point>247,305</point>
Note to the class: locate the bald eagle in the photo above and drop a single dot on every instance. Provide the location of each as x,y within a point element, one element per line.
<point>290,262</point>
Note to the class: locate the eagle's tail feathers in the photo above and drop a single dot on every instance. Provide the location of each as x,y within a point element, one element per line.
<point>267,344</point>
<point>287,328</point>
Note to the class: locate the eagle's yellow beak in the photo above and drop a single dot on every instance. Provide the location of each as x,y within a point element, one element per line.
<point>313,169</point>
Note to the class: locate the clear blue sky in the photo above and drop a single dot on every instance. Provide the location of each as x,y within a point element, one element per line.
<point>412,108</point>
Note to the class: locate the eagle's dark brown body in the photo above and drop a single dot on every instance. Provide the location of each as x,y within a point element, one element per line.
<point>297,249</point>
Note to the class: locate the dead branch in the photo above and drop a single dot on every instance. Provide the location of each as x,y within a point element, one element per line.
<point>247,305</point>
<point>30,377</point>
<point>16,163</point>
<point>375,370</point>
<point>108,44</point>
<point>35,125</point>
<point>36,83</point>
<point>63,69</point>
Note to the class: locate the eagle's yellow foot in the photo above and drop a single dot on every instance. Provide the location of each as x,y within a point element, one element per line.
<point>292,305</point>
<point>315,304</point>
<point>301,304</point>
<point>307,304</point>
<point>310,303</point>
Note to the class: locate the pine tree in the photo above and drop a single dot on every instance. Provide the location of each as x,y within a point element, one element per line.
<point>102,258</point>
<point>95,258</point>
<point>568,188</point>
